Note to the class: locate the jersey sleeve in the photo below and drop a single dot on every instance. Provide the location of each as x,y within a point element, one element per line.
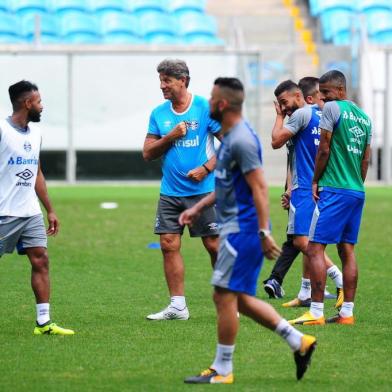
<point>369,141</point>
<point>247,154</point>
<point>330,116</point>
<point>213,126</point>
<point>153,128</point>
<point>299,120</point>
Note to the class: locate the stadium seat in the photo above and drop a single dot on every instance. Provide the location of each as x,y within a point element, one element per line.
<point>157,25</point>
<point>142,6</point>
<point>379,24</point>
<point>48,26</point>
<point>22,7</point>
<point>5,6</point>
<point>10,39</point>
<point>367,6</point>
<point>99,6</point>
<point>9,25</point>
<point>336,22</point>
<point>121,38</point>
<point>119,23</point>
<point>325,6</point>
<point>196,23</point>
<point>202,39</point>
<point>62,6</point>
<point>180,6</point>
<point>79,27</point>
<point>162,39</point>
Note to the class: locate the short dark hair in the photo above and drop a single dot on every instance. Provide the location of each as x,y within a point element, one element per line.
<point>308,85</point>
<point>19,90</point>
<point>287,85</point>
<point>233,91</point>
<point>175,68</point>
<point>334,76</point>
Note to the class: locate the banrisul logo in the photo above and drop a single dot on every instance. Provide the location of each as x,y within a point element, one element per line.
<point>22,161</point>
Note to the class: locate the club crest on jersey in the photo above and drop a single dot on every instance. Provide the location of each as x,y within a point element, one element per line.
<point>192,125</point>
<point>27,146</point>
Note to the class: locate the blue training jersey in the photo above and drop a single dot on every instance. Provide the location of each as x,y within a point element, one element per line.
<point>239,153</point>
<point>304,124</point>
<point>189,152</point>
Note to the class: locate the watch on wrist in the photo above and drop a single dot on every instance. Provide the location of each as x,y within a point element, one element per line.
<point>263,233</point>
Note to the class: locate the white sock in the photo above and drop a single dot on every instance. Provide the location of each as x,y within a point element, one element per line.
<point>317,309</point>
<point>306,290</point>
<point>292,336</point>
<point>347,309</point>
<point>42,313</point>
<point>178,302</point>
<point>336,275</point>
<point>223,363</point>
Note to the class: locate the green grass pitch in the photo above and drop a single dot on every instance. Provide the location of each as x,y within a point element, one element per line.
<point>105,281</point>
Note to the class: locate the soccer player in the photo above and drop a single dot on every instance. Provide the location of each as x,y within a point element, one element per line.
<point>21,220</point>
<point>241,196</point>
<point>302,130</point>
<point>338,188</point>
<point>181,132</point>
<point>273,284</point>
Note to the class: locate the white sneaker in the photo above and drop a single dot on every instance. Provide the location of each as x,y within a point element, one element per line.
<point>170,313</point>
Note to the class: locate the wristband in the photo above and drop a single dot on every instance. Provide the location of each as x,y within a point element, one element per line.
<point>207,169</point>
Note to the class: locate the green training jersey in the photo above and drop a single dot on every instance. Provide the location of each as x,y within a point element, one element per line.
<point>351,133</point>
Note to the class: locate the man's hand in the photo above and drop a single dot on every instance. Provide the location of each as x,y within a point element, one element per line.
<point>278,109</point>
<point>54,224</point>
<point>270,249</point>
<point>197,174</point>
<point>285,200</point>
<point>189,216</point>
<point>315,192</point>
<point>178,131</point>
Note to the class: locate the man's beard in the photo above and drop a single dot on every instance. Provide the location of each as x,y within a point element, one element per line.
<point>217,116</point>
<point>34,116</point>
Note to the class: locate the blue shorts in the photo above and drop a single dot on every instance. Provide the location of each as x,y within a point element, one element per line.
<point>336,218</point>
<point>300,212</point>
<point>239,262</point>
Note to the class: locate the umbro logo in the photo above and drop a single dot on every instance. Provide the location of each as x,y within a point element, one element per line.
<point>25,175</point>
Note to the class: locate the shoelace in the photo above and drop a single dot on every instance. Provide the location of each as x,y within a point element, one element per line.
<point>207,372</point>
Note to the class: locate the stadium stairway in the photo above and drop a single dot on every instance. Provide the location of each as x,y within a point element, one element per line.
<point>269,25</point>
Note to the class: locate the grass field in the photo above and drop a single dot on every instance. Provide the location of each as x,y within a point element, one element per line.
<point>105,281</point>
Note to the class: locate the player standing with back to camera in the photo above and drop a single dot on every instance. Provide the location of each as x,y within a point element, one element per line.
<point>181,132</point>
<point>338,188</point>
<point>21,181</point>
<point>241,195</point>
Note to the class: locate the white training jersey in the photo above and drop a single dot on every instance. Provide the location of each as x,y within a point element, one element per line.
<point>19,158</point>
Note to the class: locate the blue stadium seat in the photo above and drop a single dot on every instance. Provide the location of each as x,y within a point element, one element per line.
<point>384,38</point>
<point>336,22</point>
<point>10,39</point>
<point>367,6</point>
<point>99,6</point>
<point>162,39</point>
<point>120,38</point>
<point>202,39</point>
<point>79,27</point>
<point>196,23</point>
<point>379,24</point>
<point>157,25</point>
<point>48,26</point>
<point>325,6</point>
<point>142,6</point>
<point>118,23</point>
<point>28,6</point>
<point>61,6</point>
<point>5,6</point>
<point>9,24</point>
<point>180,6</point>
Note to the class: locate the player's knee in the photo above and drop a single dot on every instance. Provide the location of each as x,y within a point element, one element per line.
<point>169,244</point>
<point>40,261</point>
